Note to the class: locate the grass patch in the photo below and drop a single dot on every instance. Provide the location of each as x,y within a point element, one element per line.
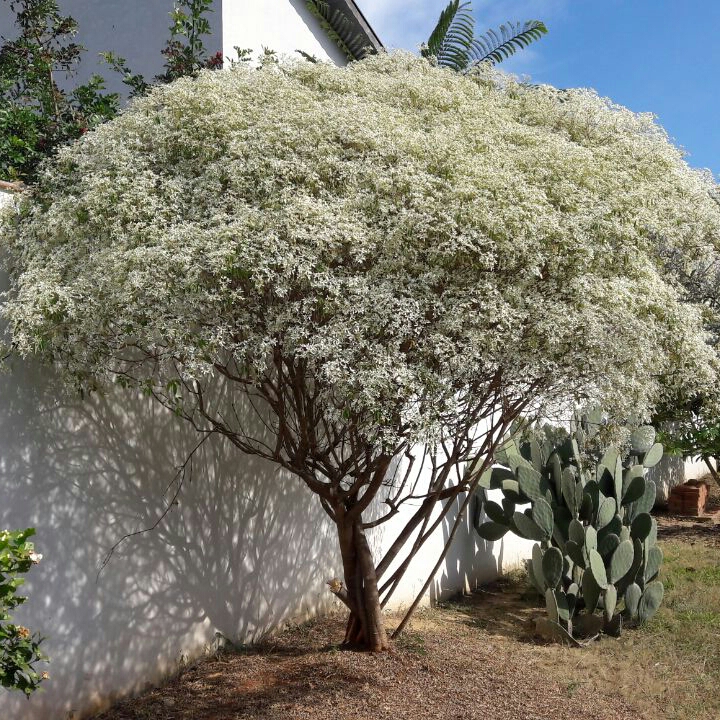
<point>412,642</point>
<point>669,668</point>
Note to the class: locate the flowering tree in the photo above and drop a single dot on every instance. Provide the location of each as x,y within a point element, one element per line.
<point>332,267</point>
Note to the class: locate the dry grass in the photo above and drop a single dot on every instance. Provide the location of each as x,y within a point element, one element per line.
<point>671,667</point>
<point>477,658</point>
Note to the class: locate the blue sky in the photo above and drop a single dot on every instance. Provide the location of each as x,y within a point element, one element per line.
<point>658,56</point>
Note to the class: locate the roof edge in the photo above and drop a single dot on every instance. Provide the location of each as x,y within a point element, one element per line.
<point>355,14</point>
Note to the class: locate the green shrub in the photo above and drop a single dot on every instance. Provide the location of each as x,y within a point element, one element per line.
<point>19,647</point>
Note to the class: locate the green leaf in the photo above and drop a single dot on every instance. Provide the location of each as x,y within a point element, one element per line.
<point>453,42</point>
<point>590,590</point>
<point>608,544</point>
<point>552,567</point>
<point>653,456</point>
<point>537,568</point>
<point>493,477</point>
<point>632,599</point>
<point>576,532</point>
<point>642,439</point>
<point>610,601</point>
<point>606,512</point>
<point>339,29</point>
<point>651,600</point>
<point>635,490</point>
<point>621,560</point>
<point>495,512</point>
<point>529,482</point>
<point>597,566</point>
<point>641,526</point>
<point>551,604</point>
<point>653,562</point>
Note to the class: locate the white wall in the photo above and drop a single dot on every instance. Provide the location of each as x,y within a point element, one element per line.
<point>243,550</point>
<point>672,471</point>
<point>246,548</point>
<point>138,30</point>
<point>470,562</point>
<point>281,25</point>
<point>134,29</point>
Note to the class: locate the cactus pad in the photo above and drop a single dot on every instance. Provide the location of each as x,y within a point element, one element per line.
<point>621,561</point>
<point>651,599</point>
<point>542,515</point>
<point>632,600</point>
<point>597,566</point>
<point>610,598</point>
<point>641,526</point>
<point>552,567</point>
<point>597,538</point>
<point>653,456</point>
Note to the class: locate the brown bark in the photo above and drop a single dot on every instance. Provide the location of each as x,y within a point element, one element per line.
<point>713,472</point>
<point>364,628</point>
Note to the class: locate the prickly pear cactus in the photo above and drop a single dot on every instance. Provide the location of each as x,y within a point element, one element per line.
<point>596,540</point>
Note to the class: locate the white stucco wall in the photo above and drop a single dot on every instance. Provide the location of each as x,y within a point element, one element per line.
<point>281,25</point>
<point>245,549</point>
<point>672,471</point>
<point>138,31</point>
<point>470,562</point>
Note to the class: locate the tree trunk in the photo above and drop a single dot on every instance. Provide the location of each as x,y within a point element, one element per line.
<point>364,629</point>
<point>712,469</point>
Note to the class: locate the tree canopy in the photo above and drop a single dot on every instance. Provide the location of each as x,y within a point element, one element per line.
<point>405,230</point>
<point>374,256</point>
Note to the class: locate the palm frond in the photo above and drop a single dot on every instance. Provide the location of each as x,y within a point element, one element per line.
<point>307,56</point>
<point>339,29</point>
<point>451,41</point>
<point>494,47</point>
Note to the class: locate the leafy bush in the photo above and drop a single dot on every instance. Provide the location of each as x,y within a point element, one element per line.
<point>184,52</point>
<point>19,647</point>
<point>691,429</point>
<point>597,541</point>
<point>36,115</point>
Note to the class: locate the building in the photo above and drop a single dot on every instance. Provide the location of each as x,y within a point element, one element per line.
<point>138,31</point>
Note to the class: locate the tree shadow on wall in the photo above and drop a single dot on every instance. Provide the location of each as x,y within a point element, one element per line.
<point>471,561</point>
<point>244,548</point>
<point>312,24</point>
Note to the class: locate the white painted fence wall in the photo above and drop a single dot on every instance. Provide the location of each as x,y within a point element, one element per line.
<point>138,30</point>
<point>285,26</point>
<point>246,548</point>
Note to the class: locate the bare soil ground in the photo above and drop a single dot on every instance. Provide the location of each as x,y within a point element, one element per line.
<point>477,658</point>
<point>454,663</point>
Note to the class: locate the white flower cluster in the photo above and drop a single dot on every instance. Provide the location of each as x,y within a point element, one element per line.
<point>408,232</point>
